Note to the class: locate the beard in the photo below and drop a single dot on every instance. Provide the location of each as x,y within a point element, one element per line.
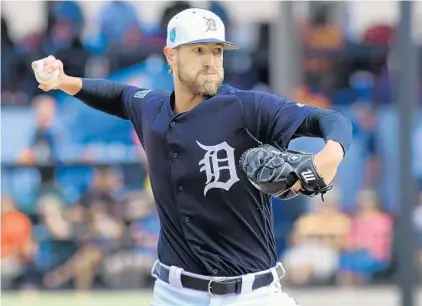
<point>203,83</point>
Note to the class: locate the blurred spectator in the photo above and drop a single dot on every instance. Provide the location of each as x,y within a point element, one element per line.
<point>322,40</point>
<point>119,24</point>
<point>53,231</point>
<point>317,238</point>
<point>65,25</point>
<point>67,244</point>
<point>68,9</point>
<point>65,37</point>
<point>17,247</point>
<point>43,145</point>
<point>321,33</point>
<point>11,69</point>
<point>15,228</point>
<point>368,249</point>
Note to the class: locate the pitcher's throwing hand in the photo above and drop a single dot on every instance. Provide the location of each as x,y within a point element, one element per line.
<point>48,72</point>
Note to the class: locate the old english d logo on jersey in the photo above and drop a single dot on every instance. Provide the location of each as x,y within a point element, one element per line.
<point>217,158</point>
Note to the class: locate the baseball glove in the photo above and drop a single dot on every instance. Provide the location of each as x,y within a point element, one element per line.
<point>275,171</point>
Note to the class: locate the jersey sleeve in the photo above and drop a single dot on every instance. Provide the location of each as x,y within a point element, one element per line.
<point>111,97</point>
<point>278,118</point>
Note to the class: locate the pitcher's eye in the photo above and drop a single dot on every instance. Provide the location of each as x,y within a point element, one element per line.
<point>218,50</point>
<point>198,50</point>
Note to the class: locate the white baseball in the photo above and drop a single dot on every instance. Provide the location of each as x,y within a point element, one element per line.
<point>42,76</point>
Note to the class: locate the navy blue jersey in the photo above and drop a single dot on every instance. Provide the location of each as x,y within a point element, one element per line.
<point>213,220</point>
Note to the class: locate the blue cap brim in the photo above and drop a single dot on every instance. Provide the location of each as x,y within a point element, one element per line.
<point>226,44</point>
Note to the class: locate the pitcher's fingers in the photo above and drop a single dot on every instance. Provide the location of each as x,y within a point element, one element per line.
<point>296,187</point>
<point>49,60</point>
<point>57,65</point>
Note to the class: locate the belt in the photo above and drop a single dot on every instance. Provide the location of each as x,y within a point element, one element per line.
<point>219,287</point>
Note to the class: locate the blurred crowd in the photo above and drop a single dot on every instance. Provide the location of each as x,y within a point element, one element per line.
<point>91,222</point>
<point>328,245</point>
<point>338,68</point>
<point>107,238</point>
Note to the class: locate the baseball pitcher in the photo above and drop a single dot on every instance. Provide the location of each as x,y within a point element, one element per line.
<point>216,154</point>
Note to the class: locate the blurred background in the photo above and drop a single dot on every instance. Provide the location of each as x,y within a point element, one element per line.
<point>75,179</point>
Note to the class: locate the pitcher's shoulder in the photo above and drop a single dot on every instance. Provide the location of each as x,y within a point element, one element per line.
<point>151,97</point>
<point>252,97</point>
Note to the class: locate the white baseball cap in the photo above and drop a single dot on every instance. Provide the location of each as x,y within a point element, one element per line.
<point>196,26</point>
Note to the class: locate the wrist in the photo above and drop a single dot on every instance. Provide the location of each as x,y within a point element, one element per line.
<point>330,156</point>
<point>332,152</point>
<point>328,160</point>
<point>70,85</point>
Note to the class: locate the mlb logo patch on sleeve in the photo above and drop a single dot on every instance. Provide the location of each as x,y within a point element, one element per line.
<point>142,93</point>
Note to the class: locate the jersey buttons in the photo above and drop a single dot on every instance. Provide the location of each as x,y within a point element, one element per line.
<point>187,219</point>
<point>172,123</point>
<point>180,188</point>
<point>175,155</point>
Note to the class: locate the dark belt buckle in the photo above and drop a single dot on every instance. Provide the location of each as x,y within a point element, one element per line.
<point>210,286</point>
<point>222,287</point>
